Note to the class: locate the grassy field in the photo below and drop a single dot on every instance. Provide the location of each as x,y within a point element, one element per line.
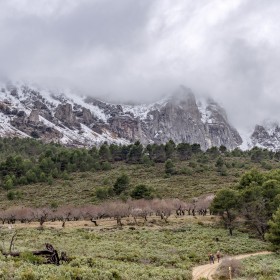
<point>154,251</point>
<point>80,188</point>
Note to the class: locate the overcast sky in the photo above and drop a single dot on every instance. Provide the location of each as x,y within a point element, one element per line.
<point>138,50</point>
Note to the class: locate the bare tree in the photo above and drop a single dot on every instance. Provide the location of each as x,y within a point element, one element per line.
<point>24,214</point>
<point>117,210</point>
<point>140,208</point>
<point>41,214</point>
<point>163,208</point>
<point>64,213</point>
<point>203,203</point>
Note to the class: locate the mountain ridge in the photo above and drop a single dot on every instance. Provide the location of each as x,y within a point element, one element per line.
<point>28,111</point>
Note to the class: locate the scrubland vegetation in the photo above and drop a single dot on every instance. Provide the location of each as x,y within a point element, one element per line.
<point>155,251</point>
<point>124,212</point>
<point>260,267</point>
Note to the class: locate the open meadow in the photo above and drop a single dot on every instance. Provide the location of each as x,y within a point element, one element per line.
<point>154,250</point>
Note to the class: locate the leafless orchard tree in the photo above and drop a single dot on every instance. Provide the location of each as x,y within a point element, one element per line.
<point>203,203</point>
<point>117,210</point>
<point>10,215</point>
<point>41,214</point>
<point>24,214</point>
<point>64,213</point>
<point>140,209</point>
<point>3,216</point>
<point>92,213</point>
<point>163,208</point>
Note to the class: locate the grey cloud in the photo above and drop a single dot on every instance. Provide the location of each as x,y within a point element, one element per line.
<point>130,50</point>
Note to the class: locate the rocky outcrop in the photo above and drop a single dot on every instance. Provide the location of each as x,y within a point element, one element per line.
<point>32,126</point>
<point>181,120</point>
<point>219,129</point>
<point>34,117</point>
<point>126,127</point>
<point>85,116</point>
<point>267,136</point>
<point>65,114</point>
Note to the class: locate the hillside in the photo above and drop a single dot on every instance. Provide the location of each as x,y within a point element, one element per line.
<point>109,233</point>
<point>37,174</point>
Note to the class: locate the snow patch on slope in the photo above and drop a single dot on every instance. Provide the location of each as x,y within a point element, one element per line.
<point>67,96</point>
<point>246,139</point>
<point>141,111</point>
<point>204,109</point>
<point>6,129</point>
<point>270,126</point>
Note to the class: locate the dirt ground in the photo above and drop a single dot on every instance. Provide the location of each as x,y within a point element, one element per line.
<point>208,270</point>
<point>153,221</point>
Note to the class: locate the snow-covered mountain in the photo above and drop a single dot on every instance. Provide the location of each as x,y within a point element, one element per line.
<point>27,111</point>
<point>267,135</point>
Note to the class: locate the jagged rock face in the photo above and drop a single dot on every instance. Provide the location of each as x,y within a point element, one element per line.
<point>85,116</point>
<point>219,130</point>
<point>126,127</point>
<point>65,114</point>
<point>87,121</point>
<point>43,110</point>
<point>181,120</point>
<point>267,136</point>
<point>34,116</point>
<point>176,122</point>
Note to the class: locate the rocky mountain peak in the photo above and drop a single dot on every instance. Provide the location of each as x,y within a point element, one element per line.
<point>73,120</point>
<point>267,135</point>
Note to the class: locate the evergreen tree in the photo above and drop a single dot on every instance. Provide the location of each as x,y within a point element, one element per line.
<point>252,177</point>
<point>121,184</point>
<point>184,151</point>
<point>125,151</point>
<point>135,153</point>
<point>257,154</point>
<point>226,204</point>
<point>213,152</point>
<point>222,149</point>
<point>273,234</point>
<point>169,167</point>
<point>116,152</point>
<point>219,162</point>
<point>170,148</point>
<point>196,148</point>
<point>104,152</point>
<point>158,153</point>
<point>93,152</point>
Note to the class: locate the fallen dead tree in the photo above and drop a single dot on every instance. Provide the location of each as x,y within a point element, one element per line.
<point>50,254</point>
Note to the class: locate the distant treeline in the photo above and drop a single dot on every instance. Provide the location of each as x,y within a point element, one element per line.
<point>25,161</point>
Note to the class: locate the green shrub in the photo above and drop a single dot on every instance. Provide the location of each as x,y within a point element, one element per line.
<point>186,171</point>
<point>266,165</point>
<point>11,195</point>
<point>141,191</point>
<point>101,193</point>
<point>192,164</point>
<point>106,166</point>
<point>169,167</point>
<point>29,257</point>
<point>121,184</point>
